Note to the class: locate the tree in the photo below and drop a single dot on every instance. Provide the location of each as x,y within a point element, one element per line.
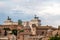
<point>14,31</point>
<point>56,37</point>
<point>21,31</point>
<point>19,22</point>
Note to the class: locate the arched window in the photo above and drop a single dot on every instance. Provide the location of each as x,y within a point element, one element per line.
<point>33,25</point>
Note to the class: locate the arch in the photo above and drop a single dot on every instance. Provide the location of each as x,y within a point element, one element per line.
<point>33,25</point>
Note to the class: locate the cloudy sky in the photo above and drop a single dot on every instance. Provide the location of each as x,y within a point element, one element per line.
<point>47,10</point>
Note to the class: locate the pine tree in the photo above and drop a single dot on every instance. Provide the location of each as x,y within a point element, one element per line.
<point>19,22</point>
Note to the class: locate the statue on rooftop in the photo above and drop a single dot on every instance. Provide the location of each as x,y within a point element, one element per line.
<point>8,18</point>
<point>36,17</point>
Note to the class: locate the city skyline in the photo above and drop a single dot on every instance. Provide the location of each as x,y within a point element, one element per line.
<point>47,10</point>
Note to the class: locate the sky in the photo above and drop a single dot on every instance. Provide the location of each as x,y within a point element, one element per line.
<point>48,11</point>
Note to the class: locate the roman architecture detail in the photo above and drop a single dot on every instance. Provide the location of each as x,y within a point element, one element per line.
<point>30,30</point>
<point>9,22</point>
<point>35,21</point>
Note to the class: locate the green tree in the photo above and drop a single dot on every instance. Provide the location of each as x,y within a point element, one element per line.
<point>14,31</point>
<point>19,22</point>
<point>21,31</point>
<point>56,37</point>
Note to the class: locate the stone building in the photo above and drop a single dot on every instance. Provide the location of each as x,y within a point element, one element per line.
<point>35,21</point>
<point>30,30</point>
<point>9,22</point>
<point>34,31</point>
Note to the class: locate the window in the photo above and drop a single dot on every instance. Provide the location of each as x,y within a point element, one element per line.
<point>42,33</point>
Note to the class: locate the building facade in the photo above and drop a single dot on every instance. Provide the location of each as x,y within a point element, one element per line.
<point>9,22</point>
<point>30,30</point>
